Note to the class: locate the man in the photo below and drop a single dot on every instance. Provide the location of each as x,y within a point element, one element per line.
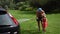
<point>41,17</point>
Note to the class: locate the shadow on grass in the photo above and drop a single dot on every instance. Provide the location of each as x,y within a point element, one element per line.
<point>53,13</point>
<point>31,32</point>
<point>34,12</point>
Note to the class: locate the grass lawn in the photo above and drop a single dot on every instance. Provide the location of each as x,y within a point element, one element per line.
<point>30,26</point>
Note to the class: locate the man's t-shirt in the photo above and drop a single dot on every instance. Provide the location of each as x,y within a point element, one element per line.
<point>38,14</point>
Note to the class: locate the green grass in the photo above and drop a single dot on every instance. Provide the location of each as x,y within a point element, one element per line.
<point>30,27</point>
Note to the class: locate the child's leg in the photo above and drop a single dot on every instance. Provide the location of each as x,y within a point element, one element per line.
<point>43,24</point>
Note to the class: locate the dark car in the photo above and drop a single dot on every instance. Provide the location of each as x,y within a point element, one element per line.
<point>8,24</point>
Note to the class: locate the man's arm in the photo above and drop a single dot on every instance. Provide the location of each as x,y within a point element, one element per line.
<point>43,14</point>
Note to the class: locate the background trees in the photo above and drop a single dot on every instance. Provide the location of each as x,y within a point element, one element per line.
<point>47,5</point>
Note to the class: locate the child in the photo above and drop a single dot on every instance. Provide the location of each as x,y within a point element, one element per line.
<point>44,23</point>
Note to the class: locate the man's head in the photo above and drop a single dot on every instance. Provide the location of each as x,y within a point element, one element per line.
<point>39,9</point>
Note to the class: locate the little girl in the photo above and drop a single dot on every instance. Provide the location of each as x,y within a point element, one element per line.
<point>44,21</point>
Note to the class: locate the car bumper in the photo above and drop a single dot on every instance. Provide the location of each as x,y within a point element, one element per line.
<point>8,33</point>
<point>9,29</point>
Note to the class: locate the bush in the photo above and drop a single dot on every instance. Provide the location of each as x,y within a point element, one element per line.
<point>29,9</point>
<point>24,6</point>
<point>56,11</point>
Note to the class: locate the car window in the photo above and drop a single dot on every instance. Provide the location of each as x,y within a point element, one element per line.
<point>2,12</point>
<point>5,20</point>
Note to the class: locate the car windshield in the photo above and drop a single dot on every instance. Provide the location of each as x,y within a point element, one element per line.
<point>5,20</point>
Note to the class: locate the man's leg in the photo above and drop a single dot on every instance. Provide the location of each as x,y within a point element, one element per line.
<point>38,22</point>
<point>39,25</point>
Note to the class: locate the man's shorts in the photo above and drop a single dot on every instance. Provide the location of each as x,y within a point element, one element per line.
<point>39,19</point>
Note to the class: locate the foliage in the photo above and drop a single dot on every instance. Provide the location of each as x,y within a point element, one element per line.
<point>30,5</point>
<point>24,6</point>
<point>11,6</point>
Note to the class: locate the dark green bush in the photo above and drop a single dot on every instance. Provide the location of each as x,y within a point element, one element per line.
<point>24,6</point>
